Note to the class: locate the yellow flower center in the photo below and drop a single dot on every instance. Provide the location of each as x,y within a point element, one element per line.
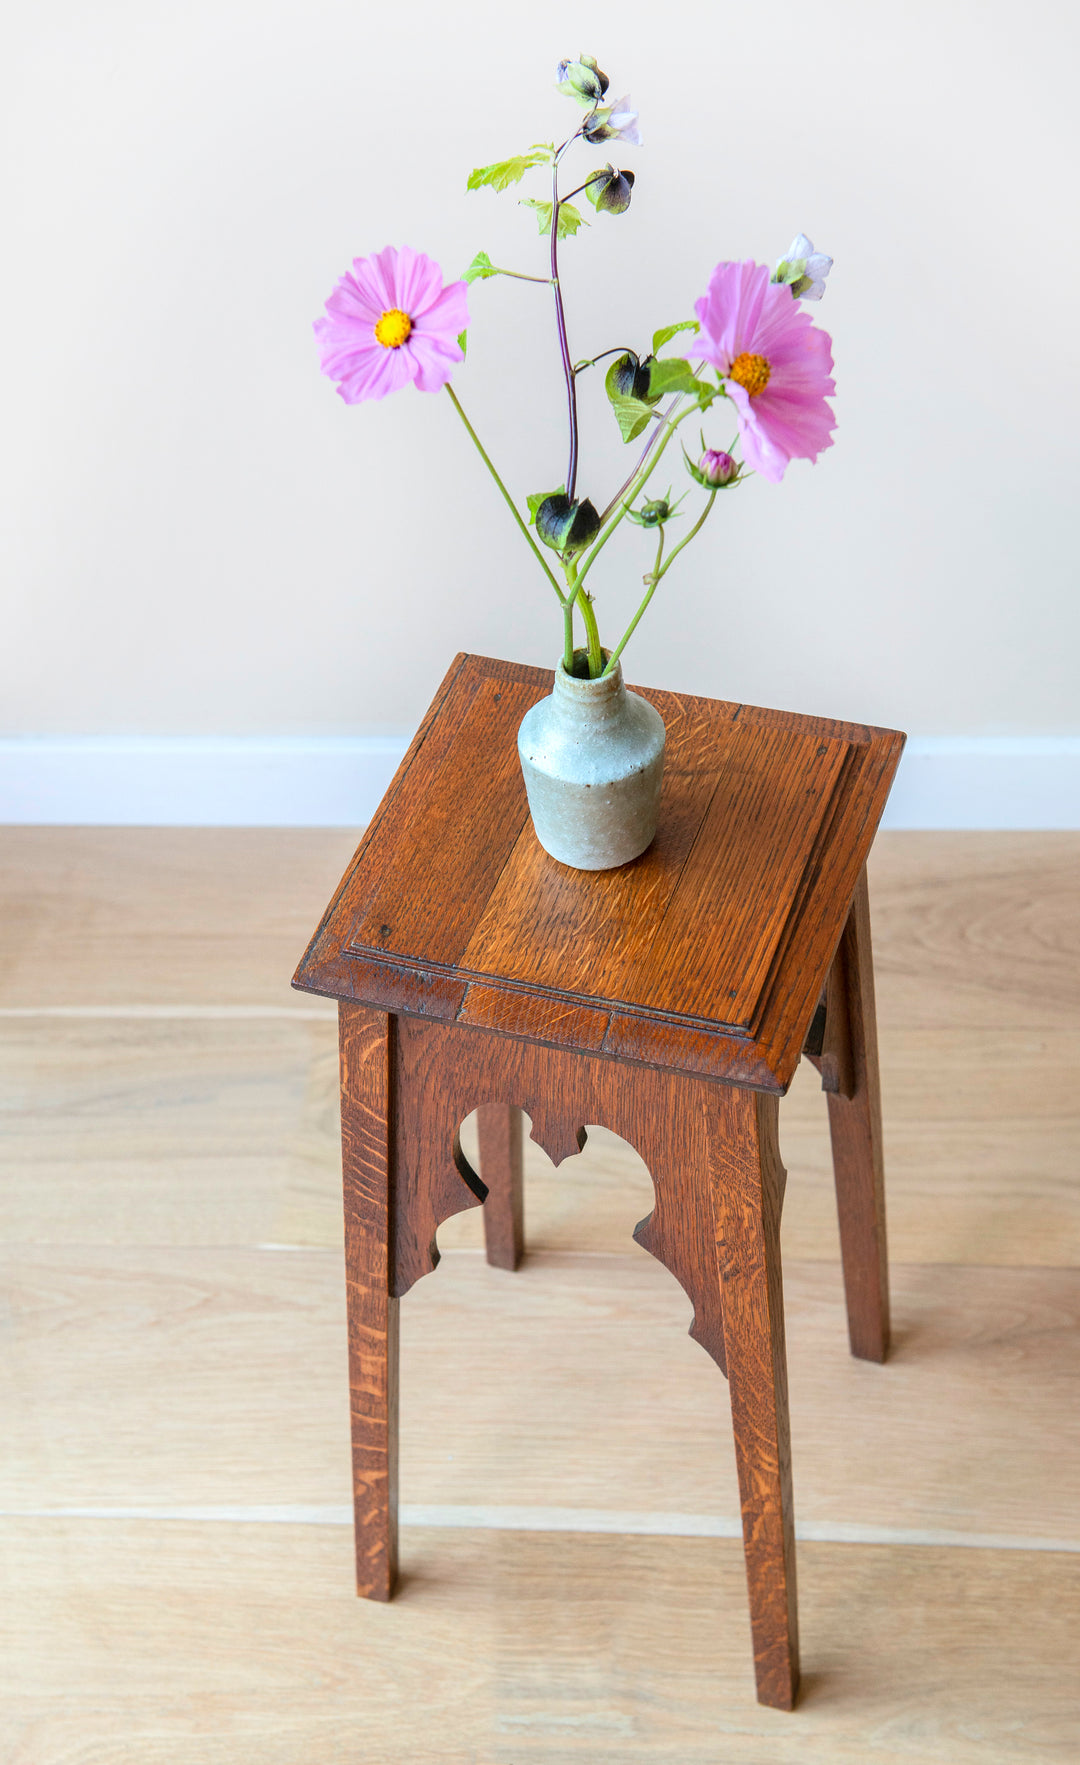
<point>751,371</point>
<point>393,329</point>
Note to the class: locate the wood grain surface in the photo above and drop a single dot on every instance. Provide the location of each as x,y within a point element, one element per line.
<point>853,1088</point>
<point>723,936</point>
<point>139,1377</point>
<point>748,1191</point>
<point>500,1146</point>
<point>366,1127</point>
<point>766,822</point>
<point>155,1353</point>
<point>180,1644</point>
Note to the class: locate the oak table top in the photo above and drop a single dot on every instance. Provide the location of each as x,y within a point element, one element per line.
<point>706,955</point>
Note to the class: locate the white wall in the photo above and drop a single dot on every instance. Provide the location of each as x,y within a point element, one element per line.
<point>202,539</point>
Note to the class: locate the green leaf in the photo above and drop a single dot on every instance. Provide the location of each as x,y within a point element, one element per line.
<point>631,414</point>
<point>505,172</point>
<point>480,269</point>
<point>541,496</point>
<point>463,342</point>
<point>669,331</point>
<point>569,218</point>
<point>676,375</point>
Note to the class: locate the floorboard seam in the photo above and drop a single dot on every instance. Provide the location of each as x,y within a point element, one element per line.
<point>545,1519</point>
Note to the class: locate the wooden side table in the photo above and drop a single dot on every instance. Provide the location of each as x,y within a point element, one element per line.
<point>669,1000</point>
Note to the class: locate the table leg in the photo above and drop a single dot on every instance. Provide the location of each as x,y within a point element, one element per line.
<point>372,1312</point>
<point>855,1128</point>
<point>501,1132</point>
<point>748,1189</point>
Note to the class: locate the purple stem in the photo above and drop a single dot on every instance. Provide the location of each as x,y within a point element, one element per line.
<point>560,320</point>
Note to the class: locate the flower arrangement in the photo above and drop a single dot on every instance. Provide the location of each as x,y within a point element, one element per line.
<point>755,356</point>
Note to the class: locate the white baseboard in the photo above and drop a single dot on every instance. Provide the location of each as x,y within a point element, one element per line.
<point>988,781</point>
<point>195,781</point>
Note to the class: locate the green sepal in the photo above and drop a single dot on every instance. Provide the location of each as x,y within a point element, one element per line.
<point>541,496</point>
<point>570,219</point>
<point>669,331</point>
<point>609,190</point>
<point>629,378</point>
<point>463,342</point>
<point>567,527</point>
<point>504,172</point>
<point>480,269</point>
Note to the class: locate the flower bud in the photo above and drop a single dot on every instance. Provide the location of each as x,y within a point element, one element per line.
<point>654,514</point>
<point>567,527</point>
<point>716,468</point>
<point>582,80</point>
<point>609,190</point>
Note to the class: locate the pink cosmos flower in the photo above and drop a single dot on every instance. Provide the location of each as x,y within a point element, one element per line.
<point>774,363</point>
<point>389,321</point>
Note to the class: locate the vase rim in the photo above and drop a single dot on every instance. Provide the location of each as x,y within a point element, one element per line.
<point>586,686</point>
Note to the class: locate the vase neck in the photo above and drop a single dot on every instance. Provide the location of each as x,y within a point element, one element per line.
<point>590,702</point>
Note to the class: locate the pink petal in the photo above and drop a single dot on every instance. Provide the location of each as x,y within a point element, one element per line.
<point>447,315</point>
<point>801,427</point>
<point>759,450</point>
<point>435,361</point>
<point>339,342</point>
<point>375,373</point>
<point>351,301</point>
<point>377,277</point>
<point>417,283</point>
<point>730,310</point>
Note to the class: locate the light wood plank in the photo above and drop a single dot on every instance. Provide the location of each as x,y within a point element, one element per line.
<point>189,1132</point>
<point>122,1131</point>
<point>143,1377</point>
<point>510,1647</point>
<point>979,929</point>
<point>119,915</point>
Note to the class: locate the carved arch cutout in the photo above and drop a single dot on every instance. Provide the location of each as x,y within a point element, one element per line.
<point>444,1072</point>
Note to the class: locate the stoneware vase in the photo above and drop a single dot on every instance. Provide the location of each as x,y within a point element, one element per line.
<point>593,759</point>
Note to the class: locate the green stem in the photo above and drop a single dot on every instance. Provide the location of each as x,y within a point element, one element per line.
<point>694,531</point>
<point>568,634</point>
<point>592,635</point>
<point>544,281</point>
<point>507,498</point>
<point>652,579</point>
<point>637,483</point>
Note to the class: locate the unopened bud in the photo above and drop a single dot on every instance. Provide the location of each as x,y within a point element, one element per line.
<point>717,467</point>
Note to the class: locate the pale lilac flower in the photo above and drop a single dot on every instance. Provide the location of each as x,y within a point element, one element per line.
<point>390,320</point>
<point>774,363</point>
<point>615,122</point>
<point>803,270</point>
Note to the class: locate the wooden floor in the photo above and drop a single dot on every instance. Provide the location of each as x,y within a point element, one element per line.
<point>173,1452</point>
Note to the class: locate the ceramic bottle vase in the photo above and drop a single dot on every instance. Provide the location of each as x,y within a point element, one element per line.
<point>593,758</point>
